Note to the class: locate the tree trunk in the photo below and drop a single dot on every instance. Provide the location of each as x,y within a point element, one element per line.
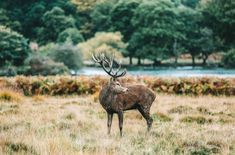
<point>204,57</point>
<point>139,61</point>
<point>175,52</point>
<point>130,60</point>
<point>156,62</point>
<point>193,60</point>
<point>176,61</point>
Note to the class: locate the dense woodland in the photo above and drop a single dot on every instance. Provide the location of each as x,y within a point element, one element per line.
<point>54,36</point>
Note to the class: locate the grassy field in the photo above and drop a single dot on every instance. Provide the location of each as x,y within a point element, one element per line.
<point>77,125</point>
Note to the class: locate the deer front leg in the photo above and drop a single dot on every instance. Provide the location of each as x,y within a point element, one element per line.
<point>120,118</point>
<point>109,124</point>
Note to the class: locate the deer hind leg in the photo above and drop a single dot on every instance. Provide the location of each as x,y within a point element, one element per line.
<point>145,113</point>
<point>109,123</point>
<point>120,118</point>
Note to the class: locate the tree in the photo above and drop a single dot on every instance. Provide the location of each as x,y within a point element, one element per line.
<point>83,17</point>
<point>120,17</point>
<point>192,24</point>
<point>70,35</point>
<point>55,21</point>
<point>207,43</point>
<point>229,59</point>
<point>156,30</point>
<point>28,14</point>
<point>33,19</point>
<point>220,17</point>
<point>6,21</point>
<point>110,42</point>
<point>67,54</point>
<point>14,48</point>
<point>100,16</point>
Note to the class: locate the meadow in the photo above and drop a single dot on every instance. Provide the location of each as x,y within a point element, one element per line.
<point>76,124</point>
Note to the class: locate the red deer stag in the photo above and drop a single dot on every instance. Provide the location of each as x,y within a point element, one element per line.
<point>116,98</point>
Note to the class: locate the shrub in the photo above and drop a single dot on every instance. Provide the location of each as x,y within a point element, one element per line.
<point>68,54</point>
<point>10,96</point>
<point>229,59</point>
<point>70,35</point>
<point>42,65</point>
<point>14,47</point>
<point>103,42</point>
<point>8,70</point>
<point>66,85</point>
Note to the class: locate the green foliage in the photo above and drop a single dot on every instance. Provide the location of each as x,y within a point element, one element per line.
<point>103,42</point>
<point>207,43</point>
<point>191,29</point>
<point>14,47</point>
<point>70,35</point>
<point>28,14</point>
<point>152,29</point>
<point>6,21</point>
<point>68,54</point>
<point>100,16</point>
<point>156,29</point>
<point>229,59</point>
<point>55,21</point>
<point>191,3</point>
<point>220,16</point>
<point>121,16</point>
<point>39,64</point>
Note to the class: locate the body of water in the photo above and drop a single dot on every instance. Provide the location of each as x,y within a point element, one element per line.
<point>166,71</point>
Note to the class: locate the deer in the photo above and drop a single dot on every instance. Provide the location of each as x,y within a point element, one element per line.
<point>116,98</point>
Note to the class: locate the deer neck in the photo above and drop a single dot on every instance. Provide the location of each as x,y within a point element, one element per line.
<point>107,96</point>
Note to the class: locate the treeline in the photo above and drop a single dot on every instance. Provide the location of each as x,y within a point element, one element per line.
<point>142,29</point>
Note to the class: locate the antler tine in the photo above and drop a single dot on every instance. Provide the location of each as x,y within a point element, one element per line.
<point>122,74</point>
<point>103,59</point>
<point>118,70</point>
<point>109,72</point>
<point>96,59</point>
<point>109,61</point>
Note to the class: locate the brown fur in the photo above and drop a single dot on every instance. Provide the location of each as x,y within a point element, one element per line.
<point>136,97</point>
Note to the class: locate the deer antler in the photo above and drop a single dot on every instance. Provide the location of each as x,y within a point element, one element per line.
<point>102,59</point>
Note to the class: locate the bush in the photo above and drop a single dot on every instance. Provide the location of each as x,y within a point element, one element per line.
<point>70,35</point>
<point>103,42</point>
<point>14,47</point>
<point>68,54</point>
<point>8,70</point>
<point>229,59</point>
<point>10,96</point>
<point>43,65</point>
<point>60,85</point>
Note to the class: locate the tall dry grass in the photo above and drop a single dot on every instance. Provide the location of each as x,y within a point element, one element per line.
<point>77,125</point>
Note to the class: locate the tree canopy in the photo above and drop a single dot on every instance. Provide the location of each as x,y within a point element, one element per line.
<point>156,30</point>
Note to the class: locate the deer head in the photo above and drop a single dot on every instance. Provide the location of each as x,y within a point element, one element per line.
<point>107,63</point>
